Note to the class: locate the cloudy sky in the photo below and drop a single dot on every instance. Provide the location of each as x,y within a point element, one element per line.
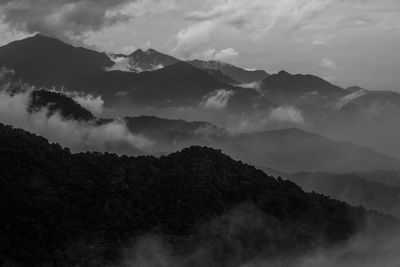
<point>349,42</point>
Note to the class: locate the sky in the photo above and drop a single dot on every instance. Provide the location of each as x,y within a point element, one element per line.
<point>347,42</point>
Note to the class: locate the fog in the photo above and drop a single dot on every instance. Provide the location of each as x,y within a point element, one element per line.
<point>76,135</point>
<point>230,240</point>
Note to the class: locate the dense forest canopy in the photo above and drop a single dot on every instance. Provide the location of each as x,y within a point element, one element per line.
<point>63,209</point>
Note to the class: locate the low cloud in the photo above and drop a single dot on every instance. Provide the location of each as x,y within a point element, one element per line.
<point>218,99</point>
<point>254,85</point>
<point>76,135</point>
<point>328,64</point>
<point>233,239</point>
<point>277,118</point>
<point>228,55</point>
<point>94,104</point>
<point>349,98</point>
<point>287,114</point>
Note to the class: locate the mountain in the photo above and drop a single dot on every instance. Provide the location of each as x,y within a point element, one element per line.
<point>178,130</point>
<point>141,60</point>
<point>286,88</point>
<point>58,103</point>
<point>41,60</point>
<point>290,150</point>
<point>238,74</point>
<point>150,60</point>
<point>352,189</point>
<point>64,209</point>
<point>179,84</point>
<point>44,61</point>
<point>295,150</point>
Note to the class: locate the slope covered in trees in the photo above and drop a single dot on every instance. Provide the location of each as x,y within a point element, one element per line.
<point>58,102</point>
<point>80,209</point>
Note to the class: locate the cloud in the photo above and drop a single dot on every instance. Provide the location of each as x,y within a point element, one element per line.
<point>233,239</point>
<point>251,19</point>
<point>72,19</point>
<point>195,37</point>
<point>318,42</point>
<point>328,64</point>
<point>76,135</point>
<point>277,118</point>
<point>276,26</point>
<point>127,49</point>
<point>349,98</point>
<point>287,114</point>
<point>218,99</point>
<point>254,85</point>
<point>226,55</point>
<point>94,104</point>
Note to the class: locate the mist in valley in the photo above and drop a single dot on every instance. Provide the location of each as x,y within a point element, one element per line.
<point>169,133</point>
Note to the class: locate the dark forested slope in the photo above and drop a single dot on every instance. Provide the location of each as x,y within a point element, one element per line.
<point>65,209</point>
<point>58,102</point>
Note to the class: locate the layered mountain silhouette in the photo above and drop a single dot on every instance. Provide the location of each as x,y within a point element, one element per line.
<point>191,203</point>
<point>206,87</point>
<point>84,207</point>
<point>353,189</point>
<point>44,61</point>
<point>287,150</point>
<point>162,80</point>
<point>294,150</point>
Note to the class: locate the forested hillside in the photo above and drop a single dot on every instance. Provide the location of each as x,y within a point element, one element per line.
<point>63,209</point>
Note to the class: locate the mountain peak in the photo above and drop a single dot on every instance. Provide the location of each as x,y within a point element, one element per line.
<point>283,73</point>
<point>149,60</point>
<point>146,52</point>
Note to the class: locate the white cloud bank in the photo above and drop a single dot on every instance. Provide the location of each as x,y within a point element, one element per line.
<point>217,100</point>
<point>277,118</point>
<point>227,55</point>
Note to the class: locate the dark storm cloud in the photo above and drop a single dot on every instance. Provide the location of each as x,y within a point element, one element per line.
<point>66,19</point>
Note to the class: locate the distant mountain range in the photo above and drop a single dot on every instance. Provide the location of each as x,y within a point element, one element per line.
<point>287,150</point>
<point>354,189</point>
<point>152,81</point>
